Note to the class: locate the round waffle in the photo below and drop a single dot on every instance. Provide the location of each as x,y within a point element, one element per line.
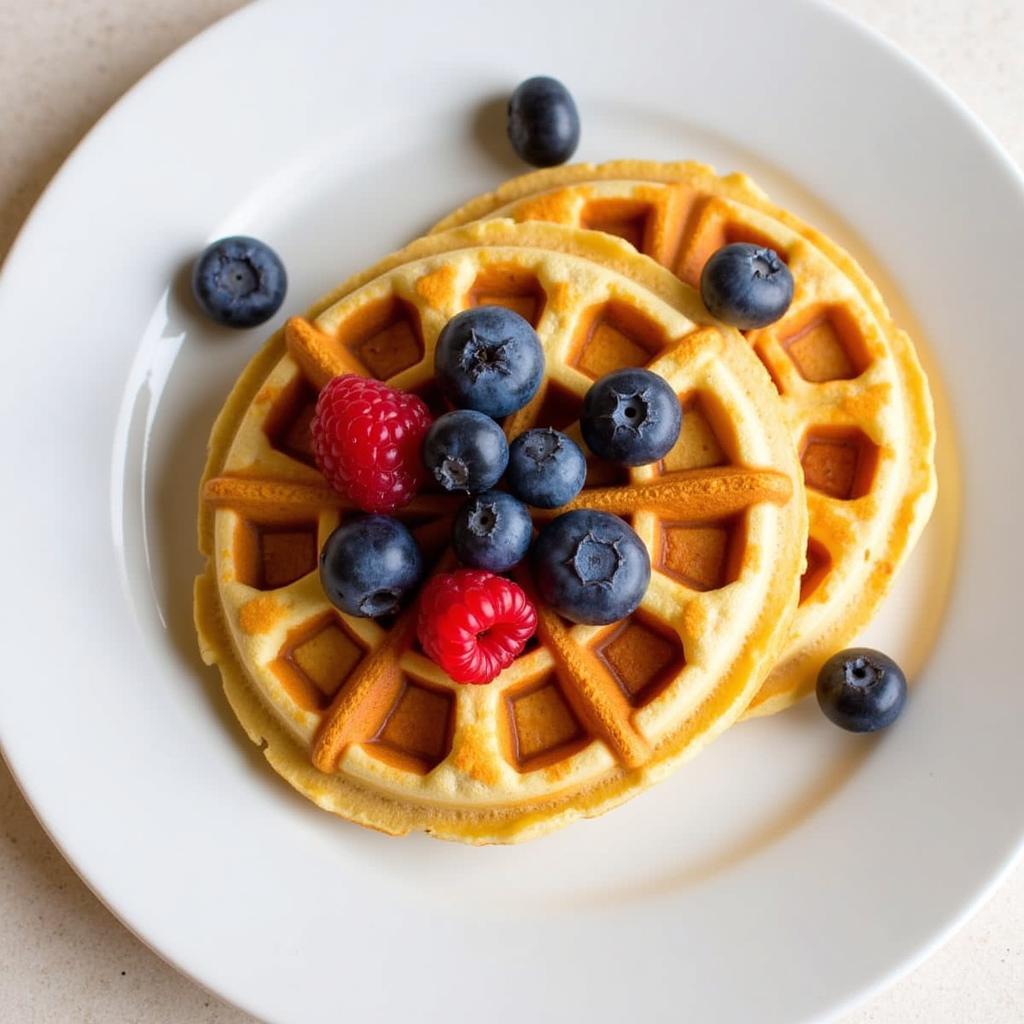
<point>855,396</point>
<point>349,710</point>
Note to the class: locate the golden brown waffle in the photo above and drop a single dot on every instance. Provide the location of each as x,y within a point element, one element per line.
<point>855,395</point>
<point>349,710</point>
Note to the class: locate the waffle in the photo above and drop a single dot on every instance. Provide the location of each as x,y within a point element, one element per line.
<point>349,710</point>
<point>855,395</point>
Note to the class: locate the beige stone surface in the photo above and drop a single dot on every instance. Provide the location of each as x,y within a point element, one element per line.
<point>63,957</point>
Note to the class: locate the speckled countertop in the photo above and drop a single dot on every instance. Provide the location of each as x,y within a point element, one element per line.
<point>63,957</point>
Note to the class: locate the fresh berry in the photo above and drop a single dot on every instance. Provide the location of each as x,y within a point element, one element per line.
<point>861,690</point>
<point>545,468</point>
<point>239,281</point>
<point>492,531</point>
<point>543,123</point>
<point>489,358</point>
<point>746,285</point>
<point>474,624</point>
<point>631,416</point>
<point>367,439</point>
<point>465,451</point>
<point>370,565</point>
<point>591,567</point>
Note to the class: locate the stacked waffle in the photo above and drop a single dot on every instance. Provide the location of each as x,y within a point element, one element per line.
<point>802,476</point>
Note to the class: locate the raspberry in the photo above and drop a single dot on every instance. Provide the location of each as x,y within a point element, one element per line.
<point>367,439</point>
<point>474,624</point>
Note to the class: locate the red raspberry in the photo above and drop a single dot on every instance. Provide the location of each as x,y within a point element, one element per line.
<point>367,439</point>
<point>474,624</point>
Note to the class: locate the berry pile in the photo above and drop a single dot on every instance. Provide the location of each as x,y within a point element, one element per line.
<point>379,446</point>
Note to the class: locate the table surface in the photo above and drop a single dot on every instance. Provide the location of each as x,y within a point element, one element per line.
<point>63,957</point>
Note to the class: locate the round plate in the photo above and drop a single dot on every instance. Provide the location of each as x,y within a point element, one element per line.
<point>784,873</point>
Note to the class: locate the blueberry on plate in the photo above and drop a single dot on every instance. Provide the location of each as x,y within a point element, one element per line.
<point>465,451</point>
<point>492,531</point>
<point>590,567</point>
<point>546,469</point>
<point>369,566</point>
<point>239,281</point>
<point>490,359</point>
<point>631,416</point>
<point>861,690</point>
<point>543,123</point>
<point>746,285</point>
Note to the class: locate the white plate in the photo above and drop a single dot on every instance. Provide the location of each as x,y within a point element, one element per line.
<point>787,871</point>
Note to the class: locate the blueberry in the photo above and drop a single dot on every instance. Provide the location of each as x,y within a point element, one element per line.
<point>370,565</point>
<point>239,282</point>
<point>465,451</point>
<point>631,416</point>
<point>861,690</point>
<point>545,468</point>
<point>543,124</point>
<point>492,531</point>
<point>489,359</point>
<point>590,567</point>
<point>746,285</point>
